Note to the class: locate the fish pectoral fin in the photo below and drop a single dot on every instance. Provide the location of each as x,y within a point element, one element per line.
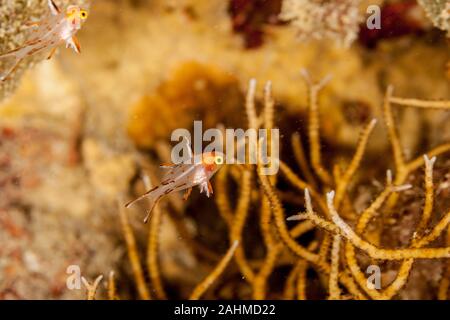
<point>187,194</point>
<point>51,54</point>
<point>75,44</point>
<point>206,187</point>
<point>210,188</point>
<point>31,42</point>
<point>167,165</point>
<point>53,7</point>
<point>32,24</point>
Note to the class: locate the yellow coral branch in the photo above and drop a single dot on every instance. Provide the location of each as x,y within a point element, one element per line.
<point>392,133</point>
<point>238,224</point>
<point>383,254</point>
<point>289,286</point>
<point>313,126</point>
<point>281,226</point>
<point>112,292</point>
<point>325,246</point>
<point>291,244</point>
<point>334,290</point>
<point>91,288</point>
<point>133,255</point>
<point>445,281</point>
<point>260,280</point>
<point>235,222</point>
<point>153,247</point>
<point>201,288</point>
<point>302,185</point>
<point>420,103</point>
<point>338,226</point>
<point>342,184</point>
<point>436,231</point>
<point>429,195</point>
<point>403,168</point>
<point>419,161</point>
<point>250,105</point>
<point>301,280</point>
<point>299,154</point>
<point>269,104</point>
<point>363,221</point>
<point>222,200</point>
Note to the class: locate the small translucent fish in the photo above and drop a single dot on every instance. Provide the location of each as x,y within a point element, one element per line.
<point>184,177</point>
<point>57,28</point>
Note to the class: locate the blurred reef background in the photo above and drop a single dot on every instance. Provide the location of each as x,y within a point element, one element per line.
<point>77,131</point>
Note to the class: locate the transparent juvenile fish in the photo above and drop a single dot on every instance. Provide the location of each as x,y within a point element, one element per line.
<point>57,28</point>
<point>184,177</point>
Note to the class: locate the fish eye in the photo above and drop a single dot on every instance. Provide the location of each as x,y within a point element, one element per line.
<point>218,160</point>
<point>83,14</point>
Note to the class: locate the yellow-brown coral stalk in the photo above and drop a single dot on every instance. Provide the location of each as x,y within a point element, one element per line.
<point>299,154</point>
<point>260,281</point>
<point>239,220</point>
<point>222,200</point>
<point>290,284</point>
<point>445,281</point>
<point>250,105</point>
<point>133,255</point>
<point>153,247</point>
<point>301,279</point>
<point>92,288</point>
<point>342,184</point>
<point>201,288</point>
<point>112,291</point>
<point>392,133</point>
<point>302,185</point>
<point>269,104</point>
<point>420,103</point>
<point>313,126</point>
<point>334,290</point>
<point>339,226</point>
<point>291,244</point>
<point>363,221</point>
<point>429,195</point>
<point>236,221</point>
<point>403,168</point>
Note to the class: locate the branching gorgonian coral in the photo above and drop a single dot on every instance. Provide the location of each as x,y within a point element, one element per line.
<point>336,225</point>
<point>340,234</point>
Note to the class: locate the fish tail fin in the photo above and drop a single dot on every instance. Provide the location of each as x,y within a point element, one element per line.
<point>8,68</point>
<point>152,197</point>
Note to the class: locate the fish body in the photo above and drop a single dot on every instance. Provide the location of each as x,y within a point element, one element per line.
<point>57,28</point>
<point>185,176</point>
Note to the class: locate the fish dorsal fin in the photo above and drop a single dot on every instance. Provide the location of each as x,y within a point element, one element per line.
<point>53,7</point>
